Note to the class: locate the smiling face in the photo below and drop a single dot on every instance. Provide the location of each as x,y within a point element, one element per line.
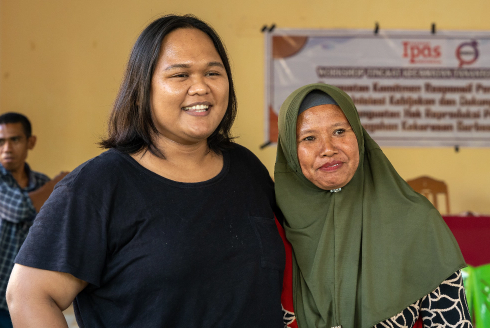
<point>14,145</point>
<point>327,147</point>
<point>189,88</point>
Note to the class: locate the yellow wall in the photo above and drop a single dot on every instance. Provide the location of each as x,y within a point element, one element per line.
<point>61,62</point>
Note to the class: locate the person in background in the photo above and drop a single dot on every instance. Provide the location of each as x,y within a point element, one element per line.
<point>173,226</point>
<point>22,193</point>
<point>367,250</point>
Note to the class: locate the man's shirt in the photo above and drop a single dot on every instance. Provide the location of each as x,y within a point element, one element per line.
<point>16,217</point>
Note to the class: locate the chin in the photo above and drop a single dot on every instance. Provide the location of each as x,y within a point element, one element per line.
<point>9,166</point>
<point>329,186</point>
<point>200,135</point>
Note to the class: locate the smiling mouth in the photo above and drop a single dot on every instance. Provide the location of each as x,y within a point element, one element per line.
<point>196,108</point>
<point>331,166</point>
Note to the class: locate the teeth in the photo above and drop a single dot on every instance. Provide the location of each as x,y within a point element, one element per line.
<point>197,108</point>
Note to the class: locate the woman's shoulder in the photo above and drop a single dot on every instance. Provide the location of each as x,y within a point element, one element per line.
<point>100,169</point>
<point>244,154</point>
<point>240,155</point>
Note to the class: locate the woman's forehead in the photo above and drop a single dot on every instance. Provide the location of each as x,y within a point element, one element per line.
<point>322,110</point>
<point>321,115</point>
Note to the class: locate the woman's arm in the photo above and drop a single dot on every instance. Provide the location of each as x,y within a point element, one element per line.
<point>36,298</point>
<point>446,305</point>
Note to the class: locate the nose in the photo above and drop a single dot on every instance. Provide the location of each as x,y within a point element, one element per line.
<point>199,87</point>
<point>328,148</point>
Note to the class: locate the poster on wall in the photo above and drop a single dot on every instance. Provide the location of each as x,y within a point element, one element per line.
<point>411,88</point>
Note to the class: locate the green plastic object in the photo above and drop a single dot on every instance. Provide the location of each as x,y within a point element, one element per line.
<point>468,274</point>
<point>477,285</point>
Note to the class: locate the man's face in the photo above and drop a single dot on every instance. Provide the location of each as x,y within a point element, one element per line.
<point>14,145</point>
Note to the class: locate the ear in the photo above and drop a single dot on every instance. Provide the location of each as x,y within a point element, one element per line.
<point>31,142</point>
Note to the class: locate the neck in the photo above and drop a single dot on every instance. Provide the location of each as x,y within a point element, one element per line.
<point>177,152</point>
<point>183,162</point>
<point>20,175</point>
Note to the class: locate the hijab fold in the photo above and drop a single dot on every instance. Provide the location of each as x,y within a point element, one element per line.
<point>364,254</point>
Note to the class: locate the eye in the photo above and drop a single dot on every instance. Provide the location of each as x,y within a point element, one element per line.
<point>339,132</point>
<point>309,138</point>
<point>213,73</point>
<point>180,75</point>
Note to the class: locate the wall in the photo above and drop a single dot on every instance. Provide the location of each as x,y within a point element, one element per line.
<point>61,63</point>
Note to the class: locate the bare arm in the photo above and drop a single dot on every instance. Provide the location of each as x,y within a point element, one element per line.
<point>36,298</point>
<point>39,196</point>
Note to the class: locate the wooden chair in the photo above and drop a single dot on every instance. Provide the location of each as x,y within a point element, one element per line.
<point>430,188</point>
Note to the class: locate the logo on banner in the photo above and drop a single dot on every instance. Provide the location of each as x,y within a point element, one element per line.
<point>467,53</point>
<point>421,52</point>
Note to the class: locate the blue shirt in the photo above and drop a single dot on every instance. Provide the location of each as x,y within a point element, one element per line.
<point>16,217</point>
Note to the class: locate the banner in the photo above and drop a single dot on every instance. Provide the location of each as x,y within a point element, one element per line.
<point>411,88</point>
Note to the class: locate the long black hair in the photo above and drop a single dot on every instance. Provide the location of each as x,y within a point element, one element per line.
<point>131,127</point>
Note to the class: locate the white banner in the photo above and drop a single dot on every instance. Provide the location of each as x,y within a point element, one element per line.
<point>410,88</point>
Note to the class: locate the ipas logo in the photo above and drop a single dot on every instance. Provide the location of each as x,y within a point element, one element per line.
<point>421,52</point>
<point>467,53</point>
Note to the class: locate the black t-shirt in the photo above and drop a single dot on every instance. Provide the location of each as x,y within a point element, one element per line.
<point>160,253</point>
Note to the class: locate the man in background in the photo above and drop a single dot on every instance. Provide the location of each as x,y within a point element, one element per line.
<point>22,193</point>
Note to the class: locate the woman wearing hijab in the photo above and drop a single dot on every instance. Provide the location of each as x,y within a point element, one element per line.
<point>367,250</point>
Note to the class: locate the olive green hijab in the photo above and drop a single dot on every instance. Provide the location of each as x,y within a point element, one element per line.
<point>364,254</point>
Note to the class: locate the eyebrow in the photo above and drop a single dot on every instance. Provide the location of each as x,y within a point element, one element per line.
<point>336,125</point>
<point>210,64</point>
<point>342,124</point>
<point>11,138</point>
<point>333,125</point>
<point>302,133</point>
